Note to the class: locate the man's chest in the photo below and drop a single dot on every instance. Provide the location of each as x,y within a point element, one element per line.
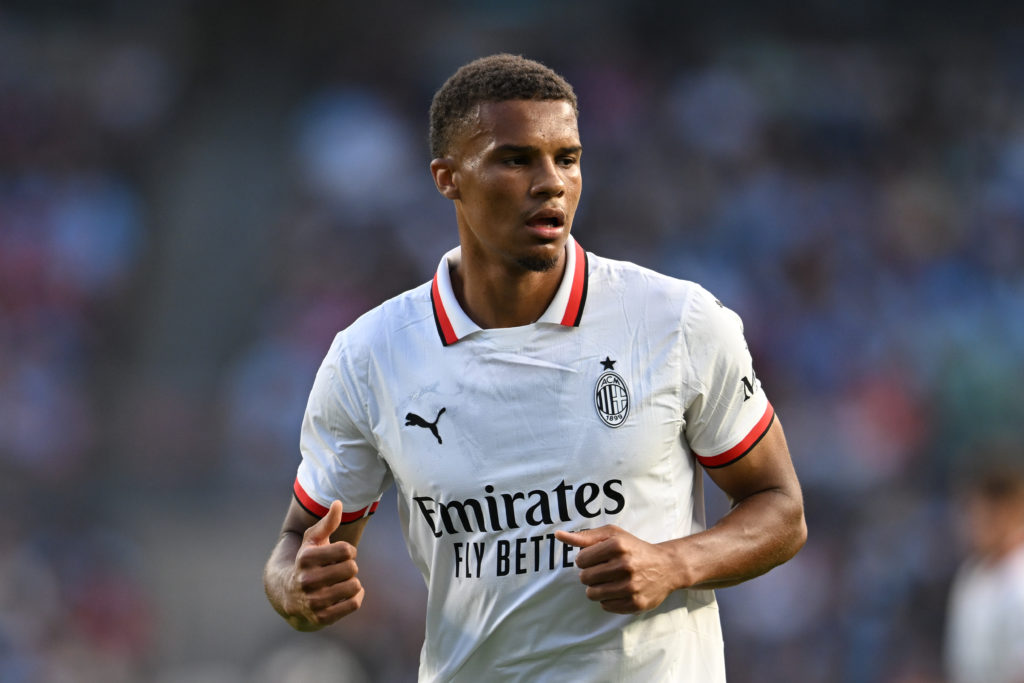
<point>564,410</point>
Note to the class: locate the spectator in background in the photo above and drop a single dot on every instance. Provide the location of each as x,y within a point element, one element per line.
<point>985,629</point>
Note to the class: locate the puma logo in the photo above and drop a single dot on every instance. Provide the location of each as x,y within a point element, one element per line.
<point>412,419</point>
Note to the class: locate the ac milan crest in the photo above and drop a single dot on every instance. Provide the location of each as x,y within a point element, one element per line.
<point>611,396</point>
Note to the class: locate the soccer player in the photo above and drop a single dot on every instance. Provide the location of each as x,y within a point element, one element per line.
<point>985,625</point>
<point>545,415</point>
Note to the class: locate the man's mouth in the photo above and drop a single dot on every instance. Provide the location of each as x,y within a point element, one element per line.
<point>547,218</point>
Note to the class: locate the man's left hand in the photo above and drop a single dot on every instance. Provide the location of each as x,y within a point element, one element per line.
<point>623,573</point>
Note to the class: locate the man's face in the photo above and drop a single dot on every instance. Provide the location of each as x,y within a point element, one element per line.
<point>516,174</point>
<point>993,526</point>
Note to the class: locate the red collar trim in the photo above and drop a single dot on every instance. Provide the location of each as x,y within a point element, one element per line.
<point>565,309</point>
<point>444,326</point>
<point>578,293</point>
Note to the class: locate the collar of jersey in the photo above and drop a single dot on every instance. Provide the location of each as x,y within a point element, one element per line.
<point>565,309</point>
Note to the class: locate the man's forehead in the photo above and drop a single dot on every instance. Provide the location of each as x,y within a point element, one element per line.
<point>513,121</point>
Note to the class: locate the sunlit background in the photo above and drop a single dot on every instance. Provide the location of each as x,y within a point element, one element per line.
<point>195,196</point>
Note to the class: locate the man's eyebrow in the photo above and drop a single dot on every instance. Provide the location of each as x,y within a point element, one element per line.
<point>530,149</point>
<point>516,149</point>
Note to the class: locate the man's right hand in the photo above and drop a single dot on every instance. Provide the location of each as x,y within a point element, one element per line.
<point>321,586</point>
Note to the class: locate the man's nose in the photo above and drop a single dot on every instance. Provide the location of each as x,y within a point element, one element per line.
<point>548,181</point>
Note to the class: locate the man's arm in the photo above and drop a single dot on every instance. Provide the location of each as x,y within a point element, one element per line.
<point>764,528</point>
<point>310,578</point>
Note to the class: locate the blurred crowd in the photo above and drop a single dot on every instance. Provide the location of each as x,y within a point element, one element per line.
<point>855,197</point>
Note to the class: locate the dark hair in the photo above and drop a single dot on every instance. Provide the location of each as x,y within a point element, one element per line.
<point>995,469</point>
<point>999,483</point>
<point>497,78</point>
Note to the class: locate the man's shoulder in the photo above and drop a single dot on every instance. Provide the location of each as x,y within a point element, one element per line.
<point>663,302</point>
<point>639,281</point>
<point>408,313</point>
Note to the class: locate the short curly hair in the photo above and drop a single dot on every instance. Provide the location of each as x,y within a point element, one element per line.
<point>496,78</point>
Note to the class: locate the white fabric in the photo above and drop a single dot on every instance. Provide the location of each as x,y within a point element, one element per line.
<point>524,452</point>
<point>985,628</point>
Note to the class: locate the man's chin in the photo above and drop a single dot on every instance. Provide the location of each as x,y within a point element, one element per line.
<point>537,264</point>
<point>543,257</point>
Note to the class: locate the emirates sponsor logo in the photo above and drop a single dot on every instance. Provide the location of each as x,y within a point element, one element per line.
<point>497,511</point>
<point>534,548</point>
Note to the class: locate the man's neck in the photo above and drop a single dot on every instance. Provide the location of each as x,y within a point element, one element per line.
<point>499,295</point>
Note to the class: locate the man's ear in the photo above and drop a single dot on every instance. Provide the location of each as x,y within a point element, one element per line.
<point>443,171</point>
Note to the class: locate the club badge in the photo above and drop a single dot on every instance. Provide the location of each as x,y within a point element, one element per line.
<point>611,398</point>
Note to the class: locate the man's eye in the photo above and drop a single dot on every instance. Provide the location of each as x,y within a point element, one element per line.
<point>567,161</point>
<point>516,161</point>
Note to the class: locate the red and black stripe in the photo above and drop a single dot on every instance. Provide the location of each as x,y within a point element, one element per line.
<point>743,447</point>
<point>317,510</point>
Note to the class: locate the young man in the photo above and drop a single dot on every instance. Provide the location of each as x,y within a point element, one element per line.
<point>542,412</point>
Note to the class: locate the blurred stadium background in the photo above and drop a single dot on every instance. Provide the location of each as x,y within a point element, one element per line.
<point>194,196</point>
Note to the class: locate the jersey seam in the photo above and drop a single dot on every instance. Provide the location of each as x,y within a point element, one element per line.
<point>690,379</point>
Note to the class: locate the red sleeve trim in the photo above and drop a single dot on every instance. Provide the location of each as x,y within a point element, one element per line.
<point>744,446</point>
<point>444,326</point>
<point>312,507</point>
<point>347,517</point>
<point>317,510</point>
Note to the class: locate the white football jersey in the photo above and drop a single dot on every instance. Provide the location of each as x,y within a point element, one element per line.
<point>495,438</point>
<point>985,624</point>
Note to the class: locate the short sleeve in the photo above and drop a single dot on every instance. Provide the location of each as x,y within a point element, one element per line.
<point>729,413</point>
<point>339,459</point>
